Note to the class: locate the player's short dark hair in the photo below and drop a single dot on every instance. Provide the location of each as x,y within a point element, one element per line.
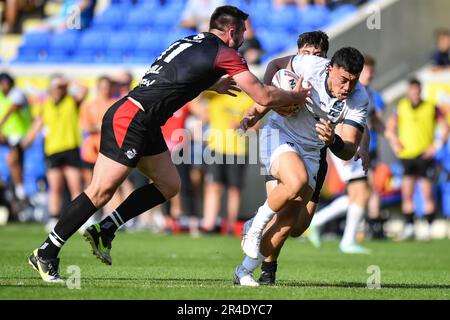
<point>369,60</point>
<point>348,58</point>
<point>225,16</point>
<point>317,39</point>
<point>414,82</point>
<point>7,77</point>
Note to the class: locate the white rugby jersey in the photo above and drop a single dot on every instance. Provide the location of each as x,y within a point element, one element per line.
<point>301,127</point>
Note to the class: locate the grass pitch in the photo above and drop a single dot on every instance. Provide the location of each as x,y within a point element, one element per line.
<point>148,266</point>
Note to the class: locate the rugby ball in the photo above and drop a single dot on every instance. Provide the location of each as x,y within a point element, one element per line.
<point>284,79</point>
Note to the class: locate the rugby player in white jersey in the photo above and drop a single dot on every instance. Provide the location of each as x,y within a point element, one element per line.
<point>290,147</point>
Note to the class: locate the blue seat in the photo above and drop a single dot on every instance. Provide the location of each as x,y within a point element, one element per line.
<point>315,17</point>
<point>36,40</point>
<point>112,18</point>
<point>285,19</point>
<point>93,41</point>
<point>63,44</point>
<point>4,170</point>
<point>273,42</point>
<point>342,11</point>
<point>151,42</point>
<point>166,19</point>
<point>138,20</point>
<point>121,44</point>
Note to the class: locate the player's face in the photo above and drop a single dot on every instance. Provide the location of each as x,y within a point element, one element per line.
<point>4,86</point>
<point>414,93</point>
<point>105,88</point>
<point>341,82</point>
<point>366,75</point>
<point>312,50</point>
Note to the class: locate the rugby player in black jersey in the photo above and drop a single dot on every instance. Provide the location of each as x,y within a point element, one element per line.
<point>131,135</point>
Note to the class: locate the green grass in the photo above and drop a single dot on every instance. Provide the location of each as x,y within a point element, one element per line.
<point>148,266</point>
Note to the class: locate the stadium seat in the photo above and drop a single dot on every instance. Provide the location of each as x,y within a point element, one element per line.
<point>314,17</point>
<point>92,46</point>
<point>138,20</point>
<point>341,12</point>
<point>4,170</point>
<point>63,44</point>
<point>271,43</point>
<point>149,43</point>
<point>166,19</point>
<point>121,45</point>
<point>112,18</point>
<point>284,19</point>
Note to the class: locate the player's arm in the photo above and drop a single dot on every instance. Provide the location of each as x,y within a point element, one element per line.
<point>438,143</point>
<point>254,114</point>
<point>10,111</point>
<point>391,133</point>
<point>32,133</point>
<point>343,146</point>
<point>363,152</point>
<point>268,96</point>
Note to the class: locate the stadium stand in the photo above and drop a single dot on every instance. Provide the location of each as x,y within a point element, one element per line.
<point>138,38</point>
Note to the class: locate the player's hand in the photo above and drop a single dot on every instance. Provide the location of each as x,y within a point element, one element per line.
<point>363,154</point>
<point>301,93</point>
<point>429,153</point>
<point>397,147</point>
<point>224,85</point>
<point>325,131</point>
<point>250,118</point>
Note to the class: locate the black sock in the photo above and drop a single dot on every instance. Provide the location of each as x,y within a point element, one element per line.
<point>409,218</point>
<point>430,218</point>
<point>139,201</point>
<point>269,266</point>
<point>72,218</point>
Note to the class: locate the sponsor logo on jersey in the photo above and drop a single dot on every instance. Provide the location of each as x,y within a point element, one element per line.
<point>131,154</point>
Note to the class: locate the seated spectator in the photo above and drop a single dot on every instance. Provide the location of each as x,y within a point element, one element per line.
<point>441,57</point>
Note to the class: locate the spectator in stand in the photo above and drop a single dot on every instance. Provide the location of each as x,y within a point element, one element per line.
<point>59,115</point>
<point>441,57</point>
<point>411,130</point>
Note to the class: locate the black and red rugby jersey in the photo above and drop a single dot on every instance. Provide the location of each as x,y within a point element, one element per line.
<point>185,69</point>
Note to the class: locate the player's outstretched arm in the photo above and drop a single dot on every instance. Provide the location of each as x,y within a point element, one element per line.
<point>268,96</point>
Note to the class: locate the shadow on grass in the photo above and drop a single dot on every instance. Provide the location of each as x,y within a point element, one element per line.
<point>185,281</point>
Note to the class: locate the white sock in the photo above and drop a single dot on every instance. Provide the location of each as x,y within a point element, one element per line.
<point>20,191</point>
<point>251,264</point>
<point>335,209</point>
<point>262,218</point>
<point>354,216</point>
